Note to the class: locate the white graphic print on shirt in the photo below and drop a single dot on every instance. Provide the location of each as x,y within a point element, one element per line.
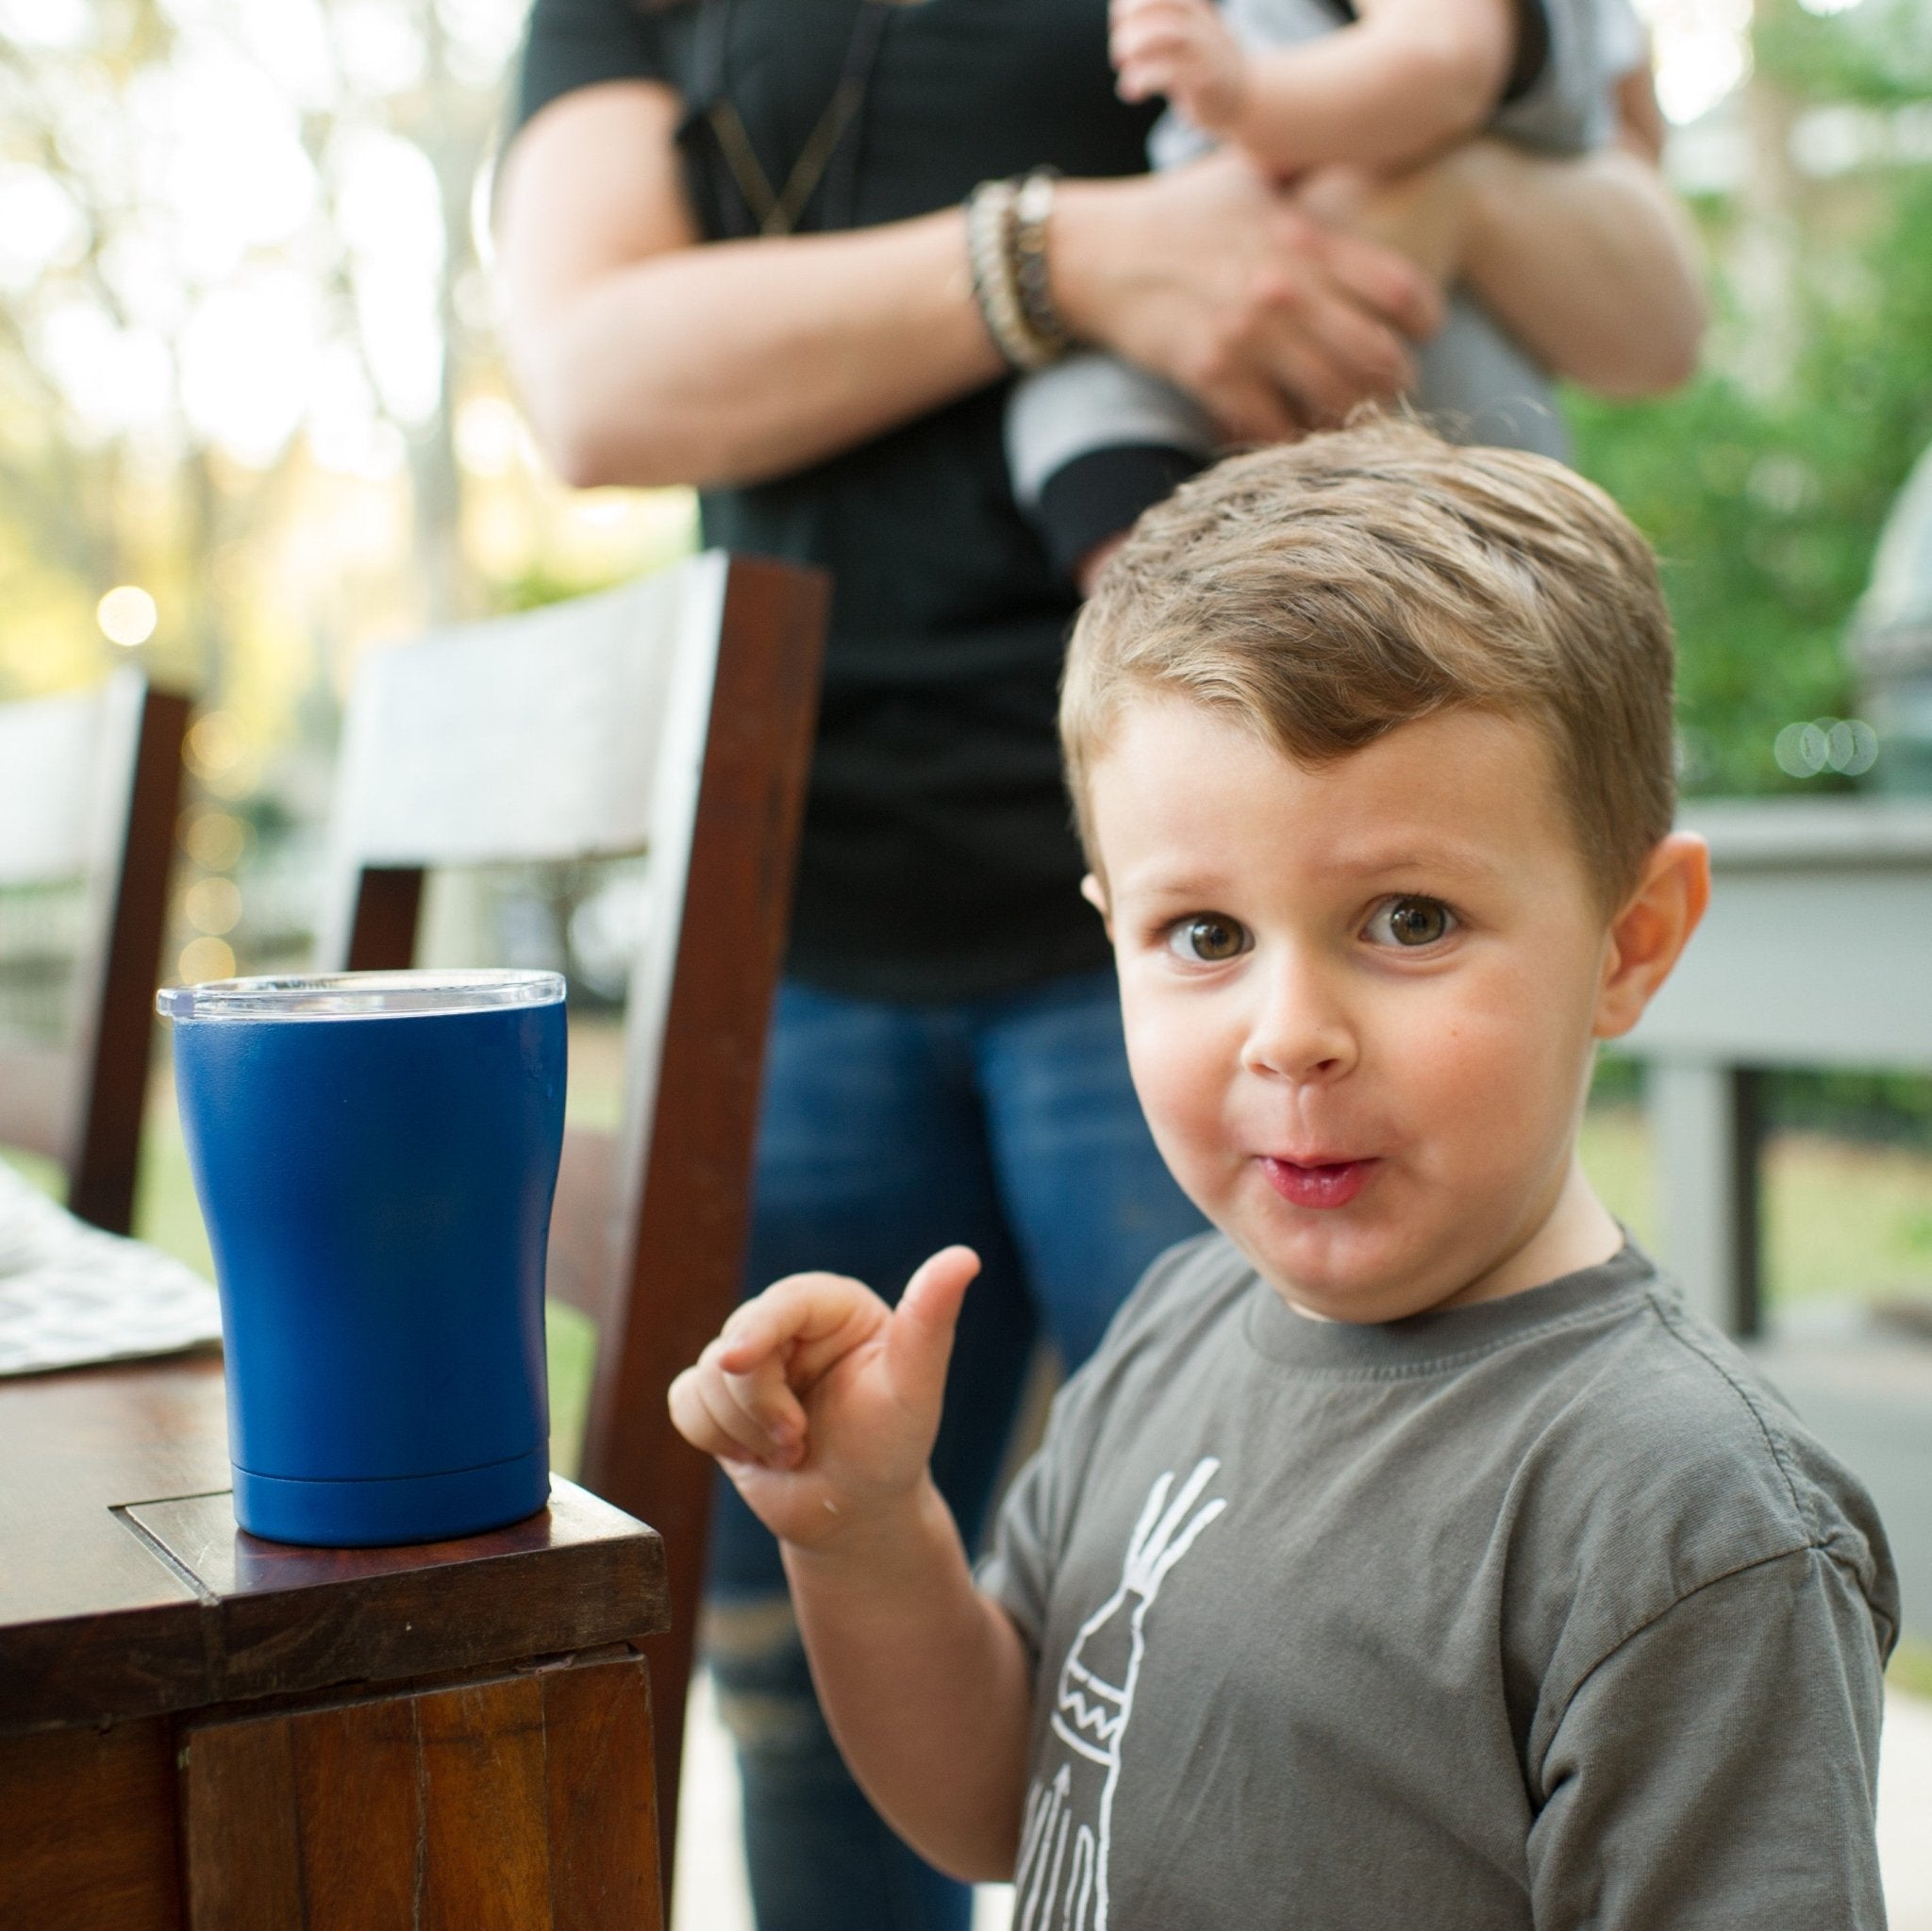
<point>1092,1709</point>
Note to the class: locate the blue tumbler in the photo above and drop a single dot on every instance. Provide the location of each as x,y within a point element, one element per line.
<point>376,1155</point>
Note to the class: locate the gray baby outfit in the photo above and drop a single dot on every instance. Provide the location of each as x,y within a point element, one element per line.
<point>1474,381</point>
<point>1540,1613</point>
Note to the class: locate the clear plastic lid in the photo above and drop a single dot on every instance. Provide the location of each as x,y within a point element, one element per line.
<point>358,995</point>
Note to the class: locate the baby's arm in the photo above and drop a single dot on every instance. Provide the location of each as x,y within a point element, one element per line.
<point>1407,78</point>
<point>821,1405</point>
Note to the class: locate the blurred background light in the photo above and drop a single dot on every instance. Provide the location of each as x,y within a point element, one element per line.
<point>127,615</point>
<point>1703,52</point>
<point>215,839</point>
<point>213,905</point>
<point>214,745</point>
<point>205,959</point>
<point>1848,746</point>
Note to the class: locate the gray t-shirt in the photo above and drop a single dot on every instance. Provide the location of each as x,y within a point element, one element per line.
<point>1539,1612</point>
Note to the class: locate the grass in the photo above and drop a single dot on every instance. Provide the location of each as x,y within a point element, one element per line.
<point>1842,1220</point>
<point>1910,1667</point>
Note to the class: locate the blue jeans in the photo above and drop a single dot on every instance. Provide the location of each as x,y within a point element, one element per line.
<point>1008,1123</point>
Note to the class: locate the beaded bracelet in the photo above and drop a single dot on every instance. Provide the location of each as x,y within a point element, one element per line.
<point>1006,250</point>
<point>1032,211</point>
<point>989,213</point>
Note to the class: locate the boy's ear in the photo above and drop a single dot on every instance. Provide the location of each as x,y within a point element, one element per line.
<point>1095,894</point>
<point>1653,928</point>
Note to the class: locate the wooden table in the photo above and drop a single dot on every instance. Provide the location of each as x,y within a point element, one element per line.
<point>202,1730</point>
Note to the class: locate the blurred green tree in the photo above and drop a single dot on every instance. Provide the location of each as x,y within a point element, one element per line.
<point>1764,483</point>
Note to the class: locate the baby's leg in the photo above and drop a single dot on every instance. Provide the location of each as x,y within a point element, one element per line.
<point>1092,442</point>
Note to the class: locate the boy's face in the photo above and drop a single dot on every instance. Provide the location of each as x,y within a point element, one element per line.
<point>1360,1000</point>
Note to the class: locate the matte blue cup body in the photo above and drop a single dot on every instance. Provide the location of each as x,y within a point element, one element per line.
<point>377,1187</point>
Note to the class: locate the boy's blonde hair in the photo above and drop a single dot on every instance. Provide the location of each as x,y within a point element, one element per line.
<point>1325,591</point>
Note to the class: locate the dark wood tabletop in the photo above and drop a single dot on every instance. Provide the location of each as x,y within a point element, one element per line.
<point>126,1590</point>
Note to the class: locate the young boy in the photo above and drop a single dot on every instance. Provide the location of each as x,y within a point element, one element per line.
<point>1298,84</point>
<point>1406,1555</point>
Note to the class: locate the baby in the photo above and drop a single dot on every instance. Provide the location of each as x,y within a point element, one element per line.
<point>1299,85</point>
<point>1407,1554</point>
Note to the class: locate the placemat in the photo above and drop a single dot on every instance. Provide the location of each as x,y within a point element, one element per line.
<point>70,1295</point>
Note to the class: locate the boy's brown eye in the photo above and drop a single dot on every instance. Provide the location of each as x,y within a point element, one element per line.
<point>1414,921</point>
<point>1209,939</point>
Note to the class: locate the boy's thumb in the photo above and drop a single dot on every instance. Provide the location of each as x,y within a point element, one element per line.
<point>918,1342</point>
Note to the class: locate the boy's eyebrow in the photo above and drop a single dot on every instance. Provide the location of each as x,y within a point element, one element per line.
<point>1408,856</point>
<point>1155,881</point>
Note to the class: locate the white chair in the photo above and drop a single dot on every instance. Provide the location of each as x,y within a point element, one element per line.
<point>90,785</point>
<point>674,717</point>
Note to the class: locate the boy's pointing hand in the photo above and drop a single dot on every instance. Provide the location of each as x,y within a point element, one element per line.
<point>821,1401</point>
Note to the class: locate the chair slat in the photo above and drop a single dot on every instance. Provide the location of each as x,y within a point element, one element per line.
<point>50,752</point>
<point>518,737</point>
<point>36,1099</point>
<point>90,784</point>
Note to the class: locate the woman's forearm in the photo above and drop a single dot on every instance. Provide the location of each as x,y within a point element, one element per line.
<point>645,358</point>
<point>1589,262</point>
<point>748,359</point>
<point>925,1684</point>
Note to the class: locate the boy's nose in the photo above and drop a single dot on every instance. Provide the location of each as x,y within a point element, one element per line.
<point>1300,1032</point>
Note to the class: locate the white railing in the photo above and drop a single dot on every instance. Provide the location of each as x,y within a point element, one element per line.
<point>1817,951</point>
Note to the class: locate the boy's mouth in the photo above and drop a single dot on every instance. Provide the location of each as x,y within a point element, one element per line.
<point>1317,1183</point>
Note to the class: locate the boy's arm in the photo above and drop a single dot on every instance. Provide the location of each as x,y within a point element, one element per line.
<point>1719,1767</point>
<point>925,1683</point>
<point>1408,78</point>
<point>821,1405</point>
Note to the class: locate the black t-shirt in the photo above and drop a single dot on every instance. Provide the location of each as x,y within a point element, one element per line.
<point>939,863</point>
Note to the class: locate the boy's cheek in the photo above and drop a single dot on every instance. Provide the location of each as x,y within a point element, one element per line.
<point>1180,1061</point>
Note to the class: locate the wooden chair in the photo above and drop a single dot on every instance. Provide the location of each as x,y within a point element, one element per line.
<point>90,784</point>
<point>672,716</point>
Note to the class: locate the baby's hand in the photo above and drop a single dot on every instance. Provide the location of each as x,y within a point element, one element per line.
<point>820,1402</point>
<point>1182,49</point>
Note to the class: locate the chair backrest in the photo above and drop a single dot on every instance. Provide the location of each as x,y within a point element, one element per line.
<point>89,786</point>
<point>672,716</point>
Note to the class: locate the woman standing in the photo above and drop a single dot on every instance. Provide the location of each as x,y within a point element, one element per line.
<point>734,253</point>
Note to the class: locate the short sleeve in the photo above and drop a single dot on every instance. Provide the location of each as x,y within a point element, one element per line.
<point>1720,1767</point>
<point>573,44</point>
<point>1623,41</point>
<point>1030,1535</point>
<point>1567,107</point>
<point>1017,1570</point>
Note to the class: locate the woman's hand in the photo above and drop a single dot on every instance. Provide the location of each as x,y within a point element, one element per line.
<point>1587,259</point>
<point>822,1403</point>
<point>1212,277</point>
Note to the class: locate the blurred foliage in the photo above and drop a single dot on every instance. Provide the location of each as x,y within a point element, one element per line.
<point>1878,1109</point>
<point>1883,58</point>
<point>1765,497</point>
<point>1766,506</point>
<point>1910,1667</point>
